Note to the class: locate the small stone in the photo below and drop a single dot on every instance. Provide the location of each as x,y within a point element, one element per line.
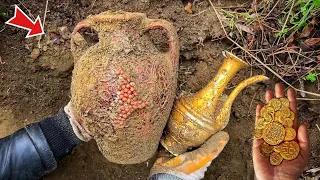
<point>64,32</point>
<point>27,46</point>
<point>49,42</point>
<point>45,48</point>
<point>55,38</point>
<point>38,38</point>
<point>188,8</point>
<point>35,53</point>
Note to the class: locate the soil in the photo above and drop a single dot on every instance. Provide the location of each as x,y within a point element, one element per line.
<point>35,86</point>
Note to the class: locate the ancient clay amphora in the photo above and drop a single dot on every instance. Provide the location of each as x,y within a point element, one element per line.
<point>196,117</point>
<point>123,87</point>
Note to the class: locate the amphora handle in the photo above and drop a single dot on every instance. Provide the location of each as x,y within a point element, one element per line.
<point>77,50</point>
<point>171,34</point>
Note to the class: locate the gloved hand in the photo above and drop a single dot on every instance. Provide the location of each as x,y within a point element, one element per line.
<point>192,165</point>
<point>78,127</point>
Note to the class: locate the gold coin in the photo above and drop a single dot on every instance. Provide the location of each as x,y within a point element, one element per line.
<point>290,134</point>
<point>275,158</point>
<point>289,150</point>
<point>258,133</point>
<point>277,116</point>
<point>292,116</point>
<point>273,133</point>
<point>285,112</point>
<point>268,118</point>
<point>270,110</point>
<point>263,111</point>
<point>260,123</point>
<point>285,102</point>
<point>287,122</point>
<point>266,149</point>
<point>275,103</point>
<point>276,148</point>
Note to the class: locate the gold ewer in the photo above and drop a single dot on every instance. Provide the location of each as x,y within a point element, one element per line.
<point>195,118</point>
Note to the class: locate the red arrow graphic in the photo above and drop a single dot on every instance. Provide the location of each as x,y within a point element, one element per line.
<point>21,20</point>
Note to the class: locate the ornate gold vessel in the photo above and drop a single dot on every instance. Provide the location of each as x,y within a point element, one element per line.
<point>195,118</point>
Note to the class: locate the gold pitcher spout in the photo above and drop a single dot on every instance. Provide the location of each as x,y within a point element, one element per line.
<point>222,119</point>
<point>206,100</point>
<point>195,118</point>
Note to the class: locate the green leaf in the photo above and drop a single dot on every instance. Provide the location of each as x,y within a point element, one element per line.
<point>303,9</point>
<point>312,77</point>
<point>298,3</point>
<point>4,14</point>
<point>316,3</point>
<point>293,18</point>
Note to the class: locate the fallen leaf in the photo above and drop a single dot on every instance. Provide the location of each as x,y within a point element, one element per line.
<point>314,21</point>
<point>318,58</point>
<point>312,41</point>
<point>294,47</point>
<point>306,32</point>
<point>244,28</point>
<point>188,8</point>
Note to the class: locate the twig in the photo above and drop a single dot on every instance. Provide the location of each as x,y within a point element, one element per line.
<point>299,79</point>
<point>283,50</point>
<point>252,100</point>
<point>45,14</point>
<point>43,22</point>
<point>307,99</point>
<point>1,62</point>
<point>30,14</point>
<point>318,127</point>
<point>229,7</point>
<point>4,27</point>
<point>199,13</point>
<point>271,10</point>
<point>257,59</point>
<point>285,23</point>
<point>313,170</point>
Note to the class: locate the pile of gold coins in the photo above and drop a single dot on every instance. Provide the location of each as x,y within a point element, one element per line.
<point>275,127</point>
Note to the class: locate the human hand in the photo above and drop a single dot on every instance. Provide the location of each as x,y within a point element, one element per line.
<point>287,169</point>
<point>192,165</point>
<point>79,128</point>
